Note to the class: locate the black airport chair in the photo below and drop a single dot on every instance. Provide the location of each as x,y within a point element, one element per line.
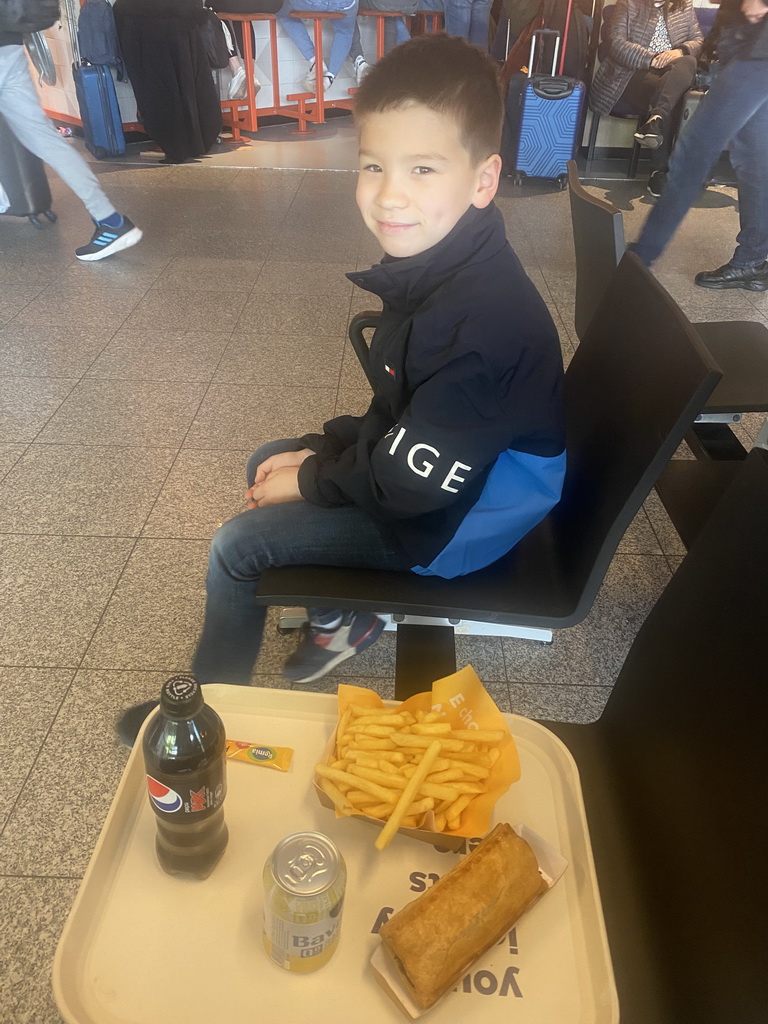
<point>675,782</point>
<point>740,347</point>
<point>629,400</point>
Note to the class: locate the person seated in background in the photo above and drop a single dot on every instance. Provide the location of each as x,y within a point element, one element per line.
<point>395,32</point>
<point>470,20</point>
<point>461,451</point>
<point>342,28</point>
<point>649,65</point>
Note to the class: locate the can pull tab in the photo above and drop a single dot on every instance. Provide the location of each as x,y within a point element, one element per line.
<point>307,865</point>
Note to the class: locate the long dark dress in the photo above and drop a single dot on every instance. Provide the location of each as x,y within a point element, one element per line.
<point>166,62</point>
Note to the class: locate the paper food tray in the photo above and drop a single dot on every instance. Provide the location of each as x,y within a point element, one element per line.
<point>141,946</point>
<point>551,868</point>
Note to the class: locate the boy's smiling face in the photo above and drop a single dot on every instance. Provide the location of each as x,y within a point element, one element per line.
<point>417,179</point>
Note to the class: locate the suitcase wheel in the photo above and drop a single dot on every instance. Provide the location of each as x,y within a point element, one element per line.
<point>517,178</point>
<point>36,222</point>
<point>562,181</point>
<point>51,216</point>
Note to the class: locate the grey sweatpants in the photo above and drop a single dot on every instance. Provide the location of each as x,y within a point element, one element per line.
<point>20,106</point>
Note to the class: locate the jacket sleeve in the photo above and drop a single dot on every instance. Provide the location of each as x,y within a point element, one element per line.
<point>457,423</point>
<point>694,44</point>
<point>626,53</point>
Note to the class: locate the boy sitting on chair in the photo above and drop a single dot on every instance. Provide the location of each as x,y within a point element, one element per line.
<point>461,451</point>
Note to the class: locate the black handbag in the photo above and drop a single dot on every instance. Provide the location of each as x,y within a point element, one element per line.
<point>246,6</point>
<point>214,40</point>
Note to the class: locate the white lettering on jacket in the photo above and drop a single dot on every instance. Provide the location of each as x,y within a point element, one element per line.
<point>425,468</point>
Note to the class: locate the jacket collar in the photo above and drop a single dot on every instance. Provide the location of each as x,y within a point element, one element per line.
<point>404,283</point>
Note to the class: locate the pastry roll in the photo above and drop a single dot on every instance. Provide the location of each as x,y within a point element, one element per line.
<point>434,939</point>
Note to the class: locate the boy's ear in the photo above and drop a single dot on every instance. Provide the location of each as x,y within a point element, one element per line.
<point>487,181</point>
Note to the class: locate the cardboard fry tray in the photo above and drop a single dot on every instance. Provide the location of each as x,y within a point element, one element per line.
<point>120,962</point>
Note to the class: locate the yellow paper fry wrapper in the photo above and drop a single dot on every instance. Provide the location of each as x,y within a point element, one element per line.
<point>260,754</point>
<point>463,702</point>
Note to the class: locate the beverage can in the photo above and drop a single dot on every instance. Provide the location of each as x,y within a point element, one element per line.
<point>304,882</point>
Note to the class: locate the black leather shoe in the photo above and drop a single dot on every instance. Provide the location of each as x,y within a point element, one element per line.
<point>754,279</point>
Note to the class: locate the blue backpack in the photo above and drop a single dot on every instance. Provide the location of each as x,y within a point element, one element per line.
<point>97,35</point>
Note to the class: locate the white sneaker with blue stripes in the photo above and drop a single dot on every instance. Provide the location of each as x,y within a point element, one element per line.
<point>106,241</point>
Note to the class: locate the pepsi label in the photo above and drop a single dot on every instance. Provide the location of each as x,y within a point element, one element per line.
<point>201,793</point>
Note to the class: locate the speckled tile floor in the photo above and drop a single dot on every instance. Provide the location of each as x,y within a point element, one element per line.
<point>131,393</point>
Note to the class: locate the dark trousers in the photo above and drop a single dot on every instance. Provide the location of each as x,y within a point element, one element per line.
<point>732,114</point>
<point>661,91</point>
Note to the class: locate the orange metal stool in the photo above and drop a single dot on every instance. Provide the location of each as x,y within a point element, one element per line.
<point>311,107</point>
<point>428,23</point>
<point>242,115</point>
<point>380,17</point>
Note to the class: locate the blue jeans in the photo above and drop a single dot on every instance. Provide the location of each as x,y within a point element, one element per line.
<point>294,533</point>
<point>732,114</point>
<point>468,19</point>
<point>342,29</point>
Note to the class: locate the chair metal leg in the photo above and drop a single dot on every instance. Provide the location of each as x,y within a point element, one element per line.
<point>594,125</point>
<point>633,160</point>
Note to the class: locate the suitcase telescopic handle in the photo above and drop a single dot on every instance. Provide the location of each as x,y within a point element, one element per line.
<point>534,40</point>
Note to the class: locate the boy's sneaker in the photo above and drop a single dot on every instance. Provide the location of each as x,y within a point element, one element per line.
<point>656,183</point>
<point>131,721</point>
<point>322,648</point>
<point>310,81</point>
<point>107,241</point>
<point>649,134</point>
<point>362,67</point>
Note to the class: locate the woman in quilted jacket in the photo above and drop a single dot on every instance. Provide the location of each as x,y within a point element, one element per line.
<point>649,64</point>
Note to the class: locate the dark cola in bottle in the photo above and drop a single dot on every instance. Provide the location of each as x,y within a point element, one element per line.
<point>184,757</point>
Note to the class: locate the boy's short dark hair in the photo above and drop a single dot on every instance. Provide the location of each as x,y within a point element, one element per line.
<point>446,75</point>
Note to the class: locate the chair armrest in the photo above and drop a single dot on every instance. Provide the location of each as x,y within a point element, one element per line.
<point>362,322</point>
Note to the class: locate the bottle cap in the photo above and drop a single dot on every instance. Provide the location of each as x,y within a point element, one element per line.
<point>181,697</point>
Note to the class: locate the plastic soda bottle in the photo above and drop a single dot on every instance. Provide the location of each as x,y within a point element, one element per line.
<point>183,749</point>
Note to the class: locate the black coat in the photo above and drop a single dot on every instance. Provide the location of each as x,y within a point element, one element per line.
<point>166,62</point>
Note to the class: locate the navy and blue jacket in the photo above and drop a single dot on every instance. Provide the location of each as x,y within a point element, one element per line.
<point>461,452</point>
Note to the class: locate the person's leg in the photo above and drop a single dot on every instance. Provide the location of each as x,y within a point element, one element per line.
<point>667,103</point>
<point>295,28</point>
<point>736,94</point>
<point>479,22</point>
<point>356,46</point>
<point>343,31</point>
<point>20,106</point>
<point>294,533</point>
<point>749,156</point>
<point>395,33</point>
<point>458,15</point>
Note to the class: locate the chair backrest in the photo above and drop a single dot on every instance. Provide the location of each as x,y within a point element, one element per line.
<point>686,734</point>
<point>631,394</point>
<point>598,239</point>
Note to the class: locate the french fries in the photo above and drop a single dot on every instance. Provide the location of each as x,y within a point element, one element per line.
<point>399,766</point>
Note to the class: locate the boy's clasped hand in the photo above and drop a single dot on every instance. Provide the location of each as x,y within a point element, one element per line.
<point>277,480</point>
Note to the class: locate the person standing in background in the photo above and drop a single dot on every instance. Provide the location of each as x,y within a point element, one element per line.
<point>168,67</point>
<point>733,114</point>
<point>20,106</point>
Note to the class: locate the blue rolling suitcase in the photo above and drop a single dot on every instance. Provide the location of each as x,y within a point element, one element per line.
<point>97,99</point>
<point>547,121</point>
